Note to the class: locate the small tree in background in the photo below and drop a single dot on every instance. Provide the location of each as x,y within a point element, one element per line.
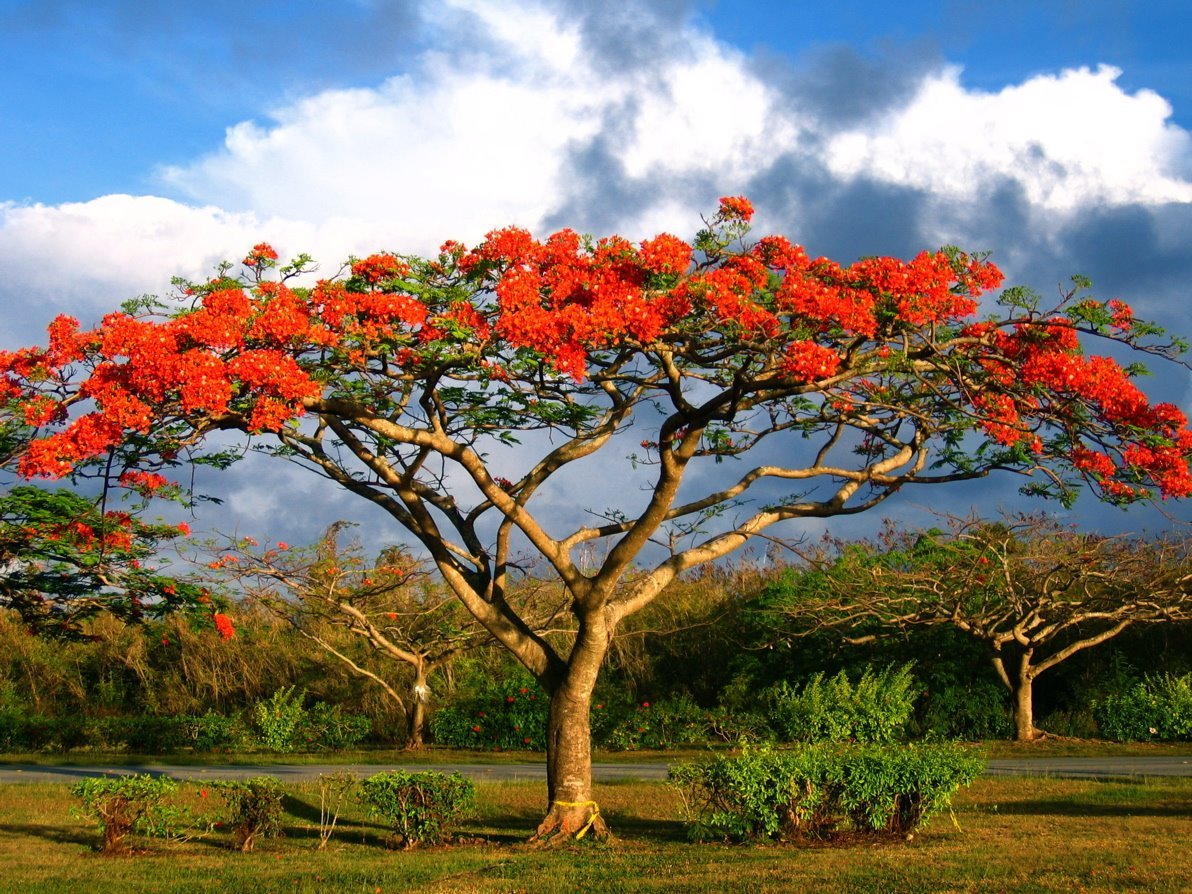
<point>1033,592</point>
<point>329,588</point>
<point>765,385</point>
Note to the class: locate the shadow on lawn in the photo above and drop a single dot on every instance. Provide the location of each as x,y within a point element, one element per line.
<point>1086,809</point>
<point>56,834</point>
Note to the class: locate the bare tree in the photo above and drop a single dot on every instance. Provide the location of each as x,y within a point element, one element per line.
<point>1034,592</point>
<point>337,599</point>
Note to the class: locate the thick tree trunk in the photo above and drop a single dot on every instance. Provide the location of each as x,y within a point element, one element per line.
<point>571,811</point>
<point>1020,681</point>
<point>1024,710</point>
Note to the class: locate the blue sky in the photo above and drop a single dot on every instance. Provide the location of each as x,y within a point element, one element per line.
<point>145,140</point>
<point>96,97</point>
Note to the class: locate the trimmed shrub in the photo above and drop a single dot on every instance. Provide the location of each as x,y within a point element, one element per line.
<point>971,711</point>
<point>128,805</point>
<point>254,809</point>
<point>330,727</point>
<point>217,732</point>
<point>667,723</point>
<point>875,709</point>
<point>421,808</point>
<point>820,790</point>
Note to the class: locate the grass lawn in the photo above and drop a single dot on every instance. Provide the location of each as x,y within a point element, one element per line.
<point>433,755</point>
<point>1029,835</point>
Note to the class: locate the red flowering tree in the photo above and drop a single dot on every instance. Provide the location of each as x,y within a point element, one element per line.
<point>65,559</point>
<point>821,389</point>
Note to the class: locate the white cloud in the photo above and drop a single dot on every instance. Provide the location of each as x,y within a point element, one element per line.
<point>1071,140</point>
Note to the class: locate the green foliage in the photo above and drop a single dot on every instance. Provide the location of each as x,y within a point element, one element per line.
<point>421,808</point>
<point>254,809</point>
<point>971,710</point>
<point>217,732</point>
<point>818,790</point>
<point>667,723</point>
<point>875,709</point>
<point>66,558</point>
<point>1157,708</point>
<point>508,714</point>
<point>128,805</point>
<point>275,720</point>
<point>329,727</point>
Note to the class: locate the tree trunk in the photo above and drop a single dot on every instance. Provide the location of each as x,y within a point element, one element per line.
<point>416,717</point>
<point>1020,681</point>
<point>571,812</point>
<point>1024,710</point>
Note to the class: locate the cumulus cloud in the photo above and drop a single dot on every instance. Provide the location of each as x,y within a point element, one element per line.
<point>1072,140</point>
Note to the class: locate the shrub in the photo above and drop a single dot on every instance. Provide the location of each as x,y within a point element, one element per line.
<point>145,733</point>
<point>421,808</point>
<point>972,711</point>
<point>128,805</point>
<point>505,715</point>
<point>815,791</point>
<point>254,809</point>
<point>332,789</point>
<point>876,709</point>
<point>1156,708</point>
<point>216,732</point>
<point>276,719</point>
<point>667,723</point>
<point>329,727</point>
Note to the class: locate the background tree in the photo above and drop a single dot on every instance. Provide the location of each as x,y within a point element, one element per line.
<point>1031,591</point>
<point>64,558</point>
<point>826,389</point>
<point>330,589</point>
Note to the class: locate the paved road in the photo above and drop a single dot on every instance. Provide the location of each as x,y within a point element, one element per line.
<point>1072,767</point>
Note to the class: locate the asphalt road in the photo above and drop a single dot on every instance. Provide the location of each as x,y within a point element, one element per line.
<point>1069,767</point>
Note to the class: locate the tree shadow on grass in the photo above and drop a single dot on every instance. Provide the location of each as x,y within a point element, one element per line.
<point>56,834</point>
<point>346,828</point>
<point>1086,809</point>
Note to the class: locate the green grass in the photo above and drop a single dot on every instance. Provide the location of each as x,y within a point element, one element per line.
<point>432,755</point>
<point>1014,835</point>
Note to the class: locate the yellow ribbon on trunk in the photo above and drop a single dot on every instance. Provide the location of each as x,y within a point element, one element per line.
<point>588,825</point>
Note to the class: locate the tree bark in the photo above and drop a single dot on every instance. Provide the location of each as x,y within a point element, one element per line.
<point>572,813</point>
<point>1024,710</point>
<point>416,715</point>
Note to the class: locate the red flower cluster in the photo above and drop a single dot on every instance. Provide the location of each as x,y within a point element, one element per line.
<point>223,625</point>
<point>261,252</point>
<point>379,267</point>
<point>806,361</point>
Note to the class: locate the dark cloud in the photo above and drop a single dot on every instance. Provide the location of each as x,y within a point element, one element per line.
<point>840,87</point>
<point>633,36</point>
<point>843,220</point>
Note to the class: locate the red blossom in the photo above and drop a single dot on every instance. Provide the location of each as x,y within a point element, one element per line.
<point>735,208</point>
<point>224,626</point>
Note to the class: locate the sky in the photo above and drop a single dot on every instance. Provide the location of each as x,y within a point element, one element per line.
<point>142,141</point>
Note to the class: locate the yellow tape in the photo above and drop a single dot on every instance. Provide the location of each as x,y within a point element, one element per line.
<point>588,825</point>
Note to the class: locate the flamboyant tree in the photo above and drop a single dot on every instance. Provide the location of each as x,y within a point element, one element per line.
<point>1033,592</point>
<point>767,386</point>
